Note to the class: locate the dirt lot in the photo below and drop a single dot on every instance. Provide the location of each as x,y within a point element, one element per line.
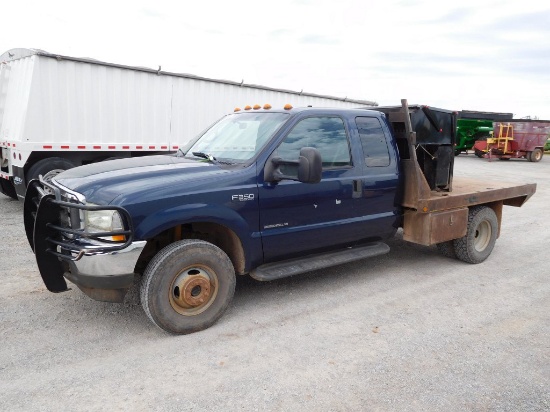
<point>411,330</point>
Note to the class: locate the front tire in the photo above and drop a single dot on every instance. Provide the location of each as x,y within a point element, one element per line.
<point>480,237</point>
<point>187,286</point>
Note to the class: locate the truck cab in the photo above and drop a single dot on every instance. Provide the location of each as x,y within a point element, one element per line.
<point>263,186</point>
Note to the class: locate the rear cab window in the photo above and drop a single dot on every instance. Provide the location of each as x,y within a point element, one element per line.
<point>373,141</point>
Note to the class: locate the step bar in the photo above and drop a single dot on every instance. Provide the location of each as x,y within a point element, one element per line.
<point>291,267</point>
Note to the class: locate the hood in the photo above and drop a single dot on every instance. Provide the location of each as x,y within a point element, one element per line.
<point>102,182</point>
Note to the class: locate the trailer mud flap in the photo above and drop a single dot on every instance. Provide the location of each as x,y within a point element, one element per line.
<point>51,268</point>
<point>7,188</point>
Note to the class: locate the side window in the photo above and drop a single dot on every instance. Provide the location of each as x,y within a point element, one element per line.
<point>373,141</point>
<point>326,134</point>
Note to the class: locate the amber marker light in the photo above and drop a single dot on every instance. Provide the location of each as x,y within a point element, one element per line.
<point>237,109</point>
<point>288,106</point>
<point>267,106</point>
<point>247,107</point>
<point>257,107</point>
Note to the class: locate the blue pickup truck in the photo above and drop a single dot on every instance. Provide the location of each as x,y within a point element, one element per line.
<point>263,192</point>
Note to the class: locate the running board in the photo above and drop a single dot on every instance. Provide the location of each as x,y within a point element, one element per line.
<point>278,270</point>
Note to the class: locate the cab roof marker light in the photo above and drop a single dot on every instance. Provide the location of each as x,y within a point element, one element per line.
<point>267,106</point>
<point>257,107</point>
<point>288,106</point>
<point>247,107</point>
<point>237,109</point>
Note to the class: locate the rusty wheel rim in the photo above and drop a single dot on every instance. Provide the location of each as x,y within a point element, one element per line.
<point>193,290</point>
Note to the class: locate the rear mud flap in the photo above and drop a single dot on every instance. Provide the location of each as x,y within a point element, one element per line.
<point>51,269</point>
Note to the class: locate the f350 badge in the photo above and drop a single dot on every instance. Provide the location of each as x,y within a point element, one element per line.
<point>242,198</point>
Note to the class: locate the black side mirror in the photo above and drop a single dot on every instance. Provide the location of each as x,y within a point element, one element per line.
<point>310,167</point>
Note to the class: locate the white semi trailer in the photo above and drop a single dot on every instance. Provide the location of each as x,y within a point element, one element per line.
<point>57,112</point>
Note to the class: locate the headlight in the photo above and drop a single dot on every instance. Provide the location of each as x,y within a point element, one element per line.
<point>96,221</point>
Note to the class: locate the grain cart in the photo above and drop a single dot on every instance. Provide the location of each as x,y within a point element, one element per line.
<point>516,139</point>
<point>473,126</point>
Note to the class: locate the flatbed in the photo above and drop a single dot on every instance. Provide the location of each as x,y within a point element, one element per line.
<point>443,216</point>
<point>436,204</point>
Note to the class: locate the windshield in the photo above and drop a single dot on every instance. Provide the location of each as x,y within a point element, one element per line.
<point>237,137</point>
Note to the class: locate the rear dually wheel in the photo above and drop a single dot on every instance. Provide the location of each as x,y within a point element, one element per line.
<point>480,237</point>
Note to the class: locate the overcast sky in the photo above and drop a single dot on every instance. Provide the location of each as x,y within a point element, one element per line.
<point>489,55</point>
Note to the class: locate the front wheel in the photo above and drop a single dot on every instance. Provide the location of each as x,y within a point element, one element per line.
<point>187,286</point>
<point>480,237</point>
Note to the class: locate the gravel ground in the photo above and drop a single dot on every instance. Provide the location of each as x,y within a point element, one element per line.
<point>411,330</point>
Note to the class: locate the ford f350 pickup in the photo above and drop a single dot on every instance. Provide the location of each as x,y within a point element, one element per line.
<point>263,192</point>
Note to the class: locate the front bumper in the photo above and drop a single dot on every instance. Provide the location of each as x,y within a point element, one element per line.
<point>101,268</point>
<point>106,270</point>
<point>105,276</point>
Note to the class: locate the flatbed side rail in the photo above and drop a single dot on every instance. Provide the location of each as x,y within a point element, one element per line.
<point>444,216</point>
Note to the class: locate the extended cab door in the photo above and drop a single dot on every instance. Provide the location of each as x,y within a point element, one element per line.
<point>298,218</point>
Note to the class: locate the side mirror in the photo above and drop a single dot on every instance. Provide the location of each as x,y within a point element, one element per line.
<point>310,167</point>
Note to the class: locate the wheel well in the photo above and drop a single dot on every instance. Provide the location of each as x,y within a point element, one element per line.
<point>214,233</point>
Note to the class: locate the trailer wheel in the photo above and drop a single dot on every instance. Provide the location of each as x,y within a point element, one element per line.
<point>535,155</point>
<point>447,249</point>
<point>48,168</point>
<point>187,286</point>
<point>480,237</point>
<point>479,153</point>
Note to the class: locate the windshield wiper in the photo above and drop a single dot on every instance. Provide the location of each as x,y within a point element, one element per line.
<point>211,158</point>
<point>205,156</point>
